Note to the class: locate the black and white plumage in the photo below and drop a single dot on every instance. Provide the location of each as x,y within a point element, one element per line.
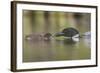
<point>68,32</point>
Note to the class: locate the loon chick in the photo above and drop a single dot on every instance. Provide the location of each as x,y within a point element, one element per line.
<point>47,36</point>
<point>38,37</point>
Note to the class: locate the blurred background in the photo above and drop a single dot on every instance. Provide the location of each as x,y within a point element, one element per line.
<point>46,21</point>
<point>41,22</point>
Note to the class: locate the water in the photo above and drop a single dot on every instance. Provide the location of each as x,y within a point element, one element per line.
<point>56,50</point>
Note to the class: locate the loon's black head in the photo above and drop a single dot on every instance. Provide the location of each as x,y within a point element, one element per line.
<point>68,32</point>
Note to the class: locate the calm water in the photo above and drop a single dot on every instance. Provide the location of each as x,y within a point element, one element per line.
<point>56,50</point>
<point>53,22</point>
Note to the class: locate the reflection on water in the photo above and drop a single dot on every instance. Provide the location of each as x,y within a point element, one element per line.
<point>56,50</point>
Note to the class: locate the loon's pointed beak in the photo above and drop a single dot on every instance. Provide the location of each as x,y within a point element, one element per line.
<point>59,34</point>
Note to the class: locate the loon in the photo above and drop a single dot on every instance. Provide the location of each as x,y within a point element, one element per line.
<point>38,37</point>
<point>68,32</point>
<point>71,33</point>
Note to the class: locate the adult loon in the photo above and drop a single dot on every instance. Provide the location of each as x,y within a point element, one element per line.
<point>68,32</point>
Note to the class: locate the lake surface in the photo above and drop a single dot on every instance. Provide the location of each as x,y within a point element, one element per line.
<point>56,50</point>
